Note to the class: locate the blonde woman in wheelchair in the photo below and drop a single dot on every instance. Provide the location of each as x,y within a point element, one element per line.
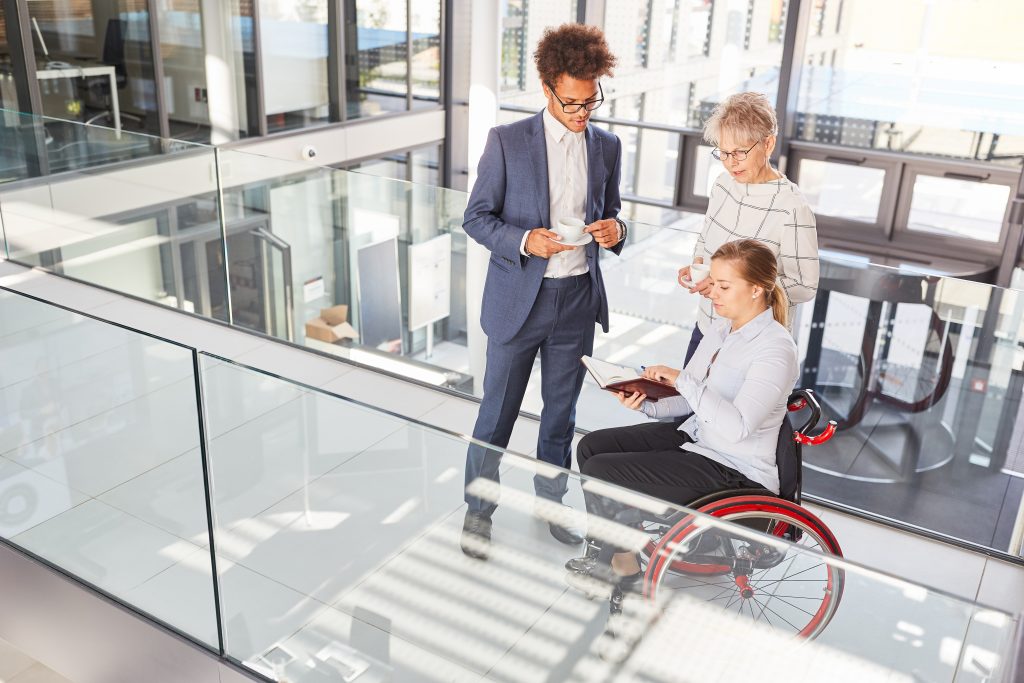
<point>734,391</point>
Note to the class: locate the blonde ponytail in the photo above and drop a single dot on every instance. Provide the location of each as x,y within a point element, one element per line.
<point>779,302</point>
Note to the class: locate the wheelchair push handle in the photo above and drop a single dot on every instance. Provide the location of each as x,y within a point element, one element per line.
<point>805,398</point>
<point>817,439</point>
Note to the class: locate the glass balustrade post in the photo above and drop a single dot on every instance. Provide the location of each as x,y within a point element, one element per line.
<point>204,453</point>
<point>222,223</point>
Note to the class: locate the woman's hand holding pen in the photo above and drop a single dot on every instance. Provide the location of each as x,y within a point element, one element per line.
<point>660,373</point>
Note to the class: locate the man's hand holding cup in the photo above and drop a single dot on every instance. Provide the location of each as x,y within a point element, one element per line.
<point>546,243</point>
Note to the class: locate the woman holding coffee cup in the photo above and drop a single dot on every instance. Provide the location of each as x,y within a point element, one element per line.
<point>752,200</point>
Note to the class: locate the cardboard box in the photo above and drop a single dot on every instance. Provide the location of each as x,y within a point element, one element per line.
<point>331,325</point>
<point>335,315</point>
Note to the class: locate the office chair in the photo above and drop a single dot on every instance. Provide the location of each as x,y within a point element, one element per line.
<point>98,89</point>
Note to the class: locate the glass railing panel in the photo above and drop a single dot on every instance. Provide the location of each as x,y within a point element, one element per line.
<point>33,143</point>
<point>149,230</point>
<point>366,268</point>
<point>338,543</point>
<point>923,375</point>
<point>100,469</point>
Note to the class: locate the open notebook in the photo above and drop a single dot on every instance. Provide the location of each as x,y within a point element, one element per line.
<point>617,378</point>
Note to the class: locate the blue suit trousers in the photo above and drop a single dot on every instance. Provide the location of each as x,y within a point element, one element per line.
<point>560,327</point>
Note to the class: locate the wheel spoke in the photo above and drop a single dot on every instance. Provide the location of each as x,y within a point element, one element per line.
<point>798,607</point>
<point>788,578</point>
<point>795,628</point>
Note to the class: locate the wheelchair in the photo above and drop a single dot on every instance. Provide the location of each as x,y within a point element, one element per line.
<point>789,591</point>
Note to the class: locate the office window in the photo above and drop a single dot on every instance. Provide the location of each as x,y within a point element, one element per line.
<point>665,50</point>
<point>523,22</point>
<point>705,171</point>
<point>8,93</point>
<point>94,63</point>
<point>379,83</point>
<point>425,60</point>
<point>208,69</point>
<point>293,41</point>
<point>934,77</point>
<point>842,190</point>
<point>958,208</point>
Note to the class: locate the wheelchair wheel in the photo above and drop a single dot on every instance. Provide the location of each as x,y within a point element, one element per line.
<point>787,590</point>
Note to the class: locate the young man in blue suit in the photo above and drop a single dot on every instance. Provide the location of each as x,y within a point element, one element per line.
<point>543,295</point>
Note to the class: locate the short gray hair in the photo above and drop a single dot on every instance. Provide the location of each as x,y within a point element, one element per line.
<point>747,115</point>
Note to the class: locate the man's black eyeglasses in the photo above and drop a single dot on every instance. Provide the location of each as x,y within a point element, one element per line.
<point>738,155</point>
<point>572,108</point>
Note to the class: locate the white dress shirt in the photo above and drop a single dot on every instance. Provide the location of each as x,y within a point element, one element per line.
<point>567,191</point>
<point>738,398</point>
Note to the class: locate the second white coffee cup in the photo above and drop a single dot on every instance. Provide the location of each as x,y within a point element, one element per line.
<point>699,271</point>
<point>571,229</point>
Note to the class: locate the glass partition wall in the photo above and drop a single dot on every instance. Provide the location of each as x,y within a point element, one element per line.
<point>921,371</point>
<point>225,503</point>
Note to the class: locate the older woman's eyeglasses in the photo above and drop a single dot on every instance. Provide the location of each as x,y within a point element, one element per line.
<point>738,155</point>
<point>573,107</point>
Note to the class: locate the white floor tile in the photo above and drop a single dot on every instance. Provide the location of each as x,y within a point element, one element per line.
<point>98,454</point>
<point>554,645</point>
<point>182,596</point>
<point>141,315</point>
<point>262,462</point>
<point>59,290</point>
<point>12,661</point>
<point>104,546</point>
<point>235,395</point>
<point>988,649</point>
<point>19,313</point>
<point>37,673</point>
<point>386,392</point>
<point>57,344</point>
<point>63,396</point>
<point>212,338</point>
<point>27,498</point>
<point>917,559</point>
<point>1002,586</point>
<point>259,612</point>
<point>459,415</point>
<point>899,626</point>
<point>336,643</point>
<point>307,541</point>
<point>302,366</point>
<point>170,497</point>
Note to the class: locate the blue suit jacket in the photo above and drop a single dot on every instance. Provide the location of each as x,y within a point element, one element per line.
<point>510,197</point>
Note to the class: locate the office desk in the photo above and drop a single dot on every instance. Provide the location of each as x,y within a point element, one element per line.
<point>51,72</point>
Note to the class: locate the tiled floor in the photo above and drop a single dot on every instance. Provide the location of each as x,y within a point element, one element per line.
<point>336,525</point>
<point>17,667</point>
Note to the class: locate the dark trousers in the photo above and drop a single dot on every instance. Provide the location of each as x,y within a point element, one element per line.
<point>647,458</point>
<point>694,343</point>
<point>560,328</point>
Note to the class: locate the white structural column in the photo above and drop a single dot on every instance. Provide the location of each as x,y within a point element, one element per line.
<point>223,68</point>
<point>483,115</point>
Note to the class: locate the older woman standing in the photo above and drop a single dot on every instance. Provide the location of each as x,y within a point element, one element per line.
<point>752,200</point>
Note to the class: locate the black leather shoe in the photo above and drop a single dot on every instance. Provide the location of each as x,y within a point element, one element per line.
<point>476,536</point>
<point>566,535</point>
<point>586,563</point>
<point>601,581</point>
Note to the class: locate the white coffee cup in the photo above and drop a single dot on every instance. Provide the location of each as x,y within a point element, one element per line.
<point>570,229</point>
<point>698,271</point>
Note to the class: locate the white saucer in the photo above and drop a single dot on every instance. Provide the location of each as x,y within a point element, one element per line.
<point>586,239</point>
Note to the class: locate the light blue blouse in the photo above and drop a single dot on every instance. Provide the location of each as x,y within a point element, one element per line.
<point>738,401</point>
